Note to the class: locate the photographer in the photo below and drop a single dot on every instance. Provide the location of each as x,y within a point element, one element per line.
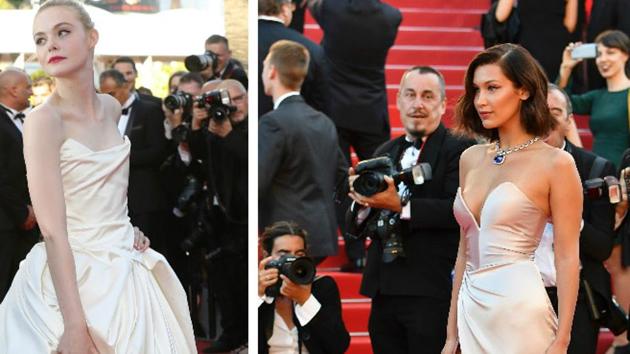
<point>596,236</point>
<point>301,316</point>
<point>220,141</point>
<point>411,292</point>
<point>225,67</point>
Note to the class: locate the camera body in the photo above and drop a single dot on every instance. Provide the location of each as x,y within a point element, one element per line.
<point>198,63</point>
<point>301,270</point>
<point>372,174</point>
<point>382,224</point>
<point>218,103</point>
<point>608,187</point>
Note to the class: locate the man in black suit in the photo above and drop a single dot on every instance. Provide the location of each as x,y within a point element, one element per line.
<point>411,294</point>
<point>357,37</point>
<point>226,67</point>
<point>143,123</point>
<point>596,236</point>
<point>314,309</point>
<point>298,156</point>
<point>17,219</point>
<point>273,18</point>
<point>127,67</point>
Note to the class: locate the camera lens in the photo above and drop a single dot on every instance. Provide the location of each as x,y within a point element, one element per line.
<point>370,183</point>
<point>300,271</point>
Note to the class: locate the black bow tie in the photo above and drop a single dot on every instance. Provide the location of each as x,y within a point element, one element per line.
<point>125,111</point>
<point>407,144</point>
<point>19,116</point>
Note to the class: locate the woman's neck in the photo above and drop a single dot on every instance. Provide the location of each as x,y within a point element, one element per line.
<point>512,134</point>
<point>618,82</point>
<point>78,91</point>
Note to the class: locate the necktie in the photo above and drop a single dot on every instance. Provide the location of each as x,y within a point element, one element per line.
<point>19,116</point>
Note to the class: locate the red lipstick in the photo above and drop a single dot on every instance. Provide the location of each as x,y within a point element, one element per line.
<point>55,59</point>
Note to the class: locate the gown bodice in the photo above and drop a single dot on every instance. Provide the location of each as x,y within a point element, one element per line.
<point>509,230</point>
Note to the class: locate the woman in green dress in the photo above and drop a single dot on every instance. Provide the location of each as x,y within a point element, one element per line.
<point>609,123</point>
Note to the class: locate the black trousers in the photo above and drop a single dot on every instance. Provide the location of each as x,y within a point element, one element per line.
<point>14,246</point>
<point>364,145</point>
<point>228,278</point>
<point>408,324</point>
<point>585,331</point>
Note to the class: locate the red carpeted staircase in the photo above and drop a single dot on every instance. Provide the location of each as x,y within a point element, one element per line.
<point>443,34</point>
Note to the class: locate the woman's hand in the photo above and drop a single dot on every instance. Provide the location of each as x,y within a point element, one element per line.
<point>76,341</point>
<point>450,347</point>
<point>140,242</point>
<point>567,60</point>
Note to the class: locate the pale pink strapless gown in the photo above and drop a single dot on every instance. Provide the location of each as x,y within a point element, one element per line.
<point>503,307</point>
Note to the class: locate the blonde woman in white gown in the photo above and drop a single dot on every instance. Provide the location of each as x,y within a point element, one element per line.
<point>90,287</point>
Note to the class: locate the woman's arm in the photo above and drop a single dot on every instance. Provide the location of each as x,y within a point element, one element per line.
<point>43,136</point>
<point>504,9</point>
<point>565,190</point>
<point>573,135</point>
<point>570,15</point>
<point>452,337</point>
<point>567,65</point>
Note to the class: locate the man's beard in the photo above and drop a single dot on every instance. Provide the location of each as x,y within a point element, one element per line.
<point>418,134</point>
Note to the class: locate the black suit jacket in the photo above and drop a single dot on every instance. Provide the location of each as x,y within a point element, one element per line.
<point>233,71</point>
<point>596,238</point>
<point>298,164</point>
<point>357,37</point>
<point>324,334</point>
<point>14,197</point>
<point>314,88</point>
<point>145,130</point>
<point>431,236</point>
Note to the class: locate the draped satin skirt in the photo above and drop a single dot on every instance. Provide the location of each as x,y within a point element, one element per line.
<point>504,309</point>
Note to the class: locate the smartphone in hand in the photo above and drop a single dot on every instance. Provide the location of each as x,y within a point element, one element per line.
<point>584,51</point>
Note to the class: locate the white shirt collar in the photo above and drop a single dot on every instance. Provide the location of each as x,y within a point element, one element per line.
<point>129,101</point>
<point>283,97</point>
<point>271,18</point>
<point>11,110</point>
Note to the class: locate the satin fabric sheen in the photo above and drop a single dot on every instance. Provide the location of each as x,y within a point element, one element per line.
<point>503,307</point>
<point>133,301</point>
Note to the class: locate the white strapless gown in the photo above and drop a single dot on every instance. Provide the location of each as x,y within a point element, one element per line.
<point>133,302</point>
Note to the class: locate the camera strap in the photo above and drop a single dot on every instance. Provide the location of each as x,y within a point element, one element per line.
<point>597,167</point>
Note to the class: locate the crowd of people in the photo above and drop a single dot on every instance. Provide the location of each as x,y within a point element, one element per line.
<point>517,240</point>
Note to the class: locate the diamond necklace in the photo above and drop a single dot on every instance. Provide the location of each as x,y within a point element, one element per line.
<point>499,157</point>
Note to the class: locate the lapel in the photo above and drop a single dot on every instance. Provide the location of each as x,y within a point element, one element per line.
<point>135,106</point>
<point>433,146</point>
<point>9,126</point>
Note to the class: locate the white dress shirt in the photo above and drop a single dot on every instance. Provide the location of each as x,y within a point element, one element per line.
<point>409,158</point>
<point>284,340</point>
<point>124,118</point>
<point>544,257</point>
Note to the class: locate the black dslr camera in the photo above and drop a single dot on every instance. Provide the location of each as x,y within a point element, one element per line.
<point>607,187</point>
<point>372,174</point>
<point>179,99</point>
<point>301,270</point>
<point>218,104</point>
<point>197,63</point>
<point>382,224</point>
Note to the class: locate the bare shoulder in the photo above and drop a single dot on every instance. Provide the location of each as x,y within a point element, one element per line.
<point>43,126</point>
<point>559,161</point>
<point>111,106</point>
<point>473,154</point>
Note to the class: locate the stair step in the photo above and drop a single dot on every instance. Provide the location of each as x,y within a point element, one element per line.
<point>446,4</point>
<point>360,344</point>
<point>432,54</point>
<point>425,16</point>
<point>349,284</point>
<point>356,316</point>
